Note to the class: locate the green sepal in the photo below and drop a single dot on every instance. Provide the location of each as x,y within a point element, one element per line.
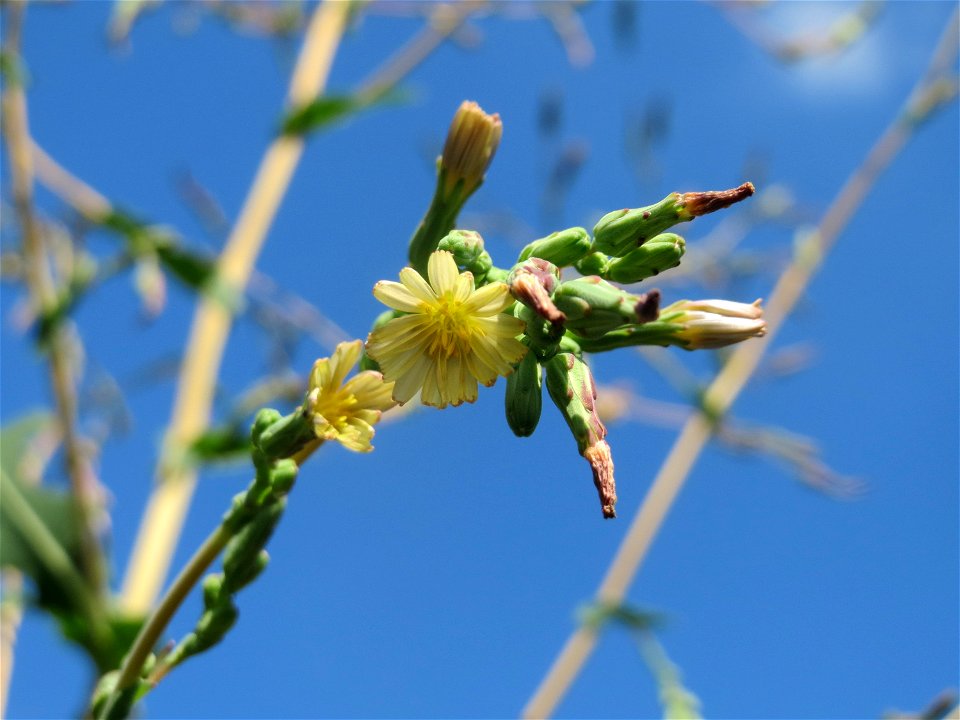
<point>653,257</point>
<point>524,396</point>
<point>562,248</point>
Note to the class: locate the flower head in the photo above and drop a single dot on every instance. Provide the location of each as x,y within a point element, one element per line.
<point>346,411</point>
<point>453,336</point>
<point>472,140</point>
<point>715,323</point>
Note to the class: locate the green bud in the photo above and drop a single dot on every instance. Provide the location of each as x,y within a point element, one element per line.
<point>542,336</point>
<point>572,389</point>
<point>594,307</point>
<point>211,627</point>
<point>265,418</point>
<point>524,397</point>
<point>595,263</point>
<point>212,589</point>
<point>653,257</point>
<point>283,475</point>
<point>621,231</point>
<point>285,437</point>
<point>245,546</point>
<point>562,248</point>
<point>466,246</point>
<point>248,573</point>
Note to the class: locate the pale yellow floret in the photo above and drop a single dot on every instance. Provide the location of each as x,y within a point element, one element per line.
<point>453,336</point>
<point>347,411</point>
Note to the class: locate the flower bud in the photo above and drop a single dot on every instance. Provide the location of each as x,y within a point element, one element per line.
<point>653,257</point>
<point>713,323</point>
<point>596,263</point>
<point>621,231</point>
<point>468,252</point>
<point>471,143</point>
<point>562,248</point>
<point>524,397</point>
<point>572,390</point>
<point>533,283</point>
<point>593,306</point>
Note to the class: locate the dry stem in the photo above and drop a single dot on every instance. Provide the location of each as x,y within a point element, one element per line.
<point>727,386</point>
<point>168,504</point>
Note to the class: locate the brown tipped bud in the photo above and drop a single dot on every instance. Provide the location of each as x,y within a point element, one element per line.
<point>601,463</point>
<point>472,141</point>
<point>696,204</point>
<point>533,283</point>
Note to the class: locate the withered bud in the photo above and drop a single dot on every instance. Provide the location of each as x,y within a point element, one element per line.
<point>533,283</point>
<point>601,463</point>
<point>696,204</point>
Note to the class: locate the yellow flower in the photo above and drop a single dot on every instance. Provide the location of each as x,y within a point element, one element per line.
<point>453,336</point>
<point>346,411</point>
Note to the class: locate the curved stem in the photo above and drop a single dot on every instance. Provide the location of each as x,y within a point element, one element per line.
<point>725,388</point>
<point>150,632</point>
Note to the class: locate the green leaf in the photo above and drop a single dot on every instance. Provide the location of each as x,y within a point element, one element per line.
<point>328,109</point>
<point>53,508</point>
<point>221,444</point>
<point>39,537</point>
<point>192,269</point>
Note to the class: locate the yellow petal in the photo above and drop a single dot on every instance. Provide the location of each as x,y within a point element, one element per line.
<point>396,296</point>
<point>442,271</point>
<point>489,300</point>
<point>418,287</point>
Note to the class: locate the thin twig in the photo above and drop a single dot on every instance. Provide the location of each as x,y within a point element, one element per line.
<point>43,296</point>
<point>171,497</point>
<point>728,384</point>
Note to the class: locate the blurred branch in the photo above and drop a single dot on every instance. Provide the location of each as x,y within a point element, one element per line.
<point>800,453</point>
<point>839,36</point>
<point>11,613</point>
<point>43,296</point>
<point>192,410</point>
<point>170,499</point>
<point>733,377</point>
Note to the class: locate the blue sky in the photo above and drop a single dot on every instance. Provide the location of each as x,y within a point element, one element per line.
<point>440,575</point>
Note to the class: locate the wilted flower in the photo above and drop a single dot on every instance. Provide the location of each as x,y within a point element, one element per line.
<point>453,336</point>
<point>346,411</point>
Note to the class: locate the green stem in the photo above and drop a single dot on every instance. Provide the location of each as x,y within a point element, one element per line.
<point>440,219</point>
<point>158,621</point>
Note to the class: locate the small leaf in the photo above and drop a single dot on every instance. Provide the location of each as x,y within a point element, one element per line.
<point>221,444</point>
<point>328,109</point>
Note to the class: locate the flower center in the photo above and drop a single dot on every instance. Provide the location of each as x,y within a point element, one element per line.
<point>451,327</point>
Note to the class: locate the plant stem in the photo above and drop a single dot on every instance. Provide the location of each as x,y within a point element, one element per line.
<point>171,497</point>
<point>157,622</point>
<point>725,388</point>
